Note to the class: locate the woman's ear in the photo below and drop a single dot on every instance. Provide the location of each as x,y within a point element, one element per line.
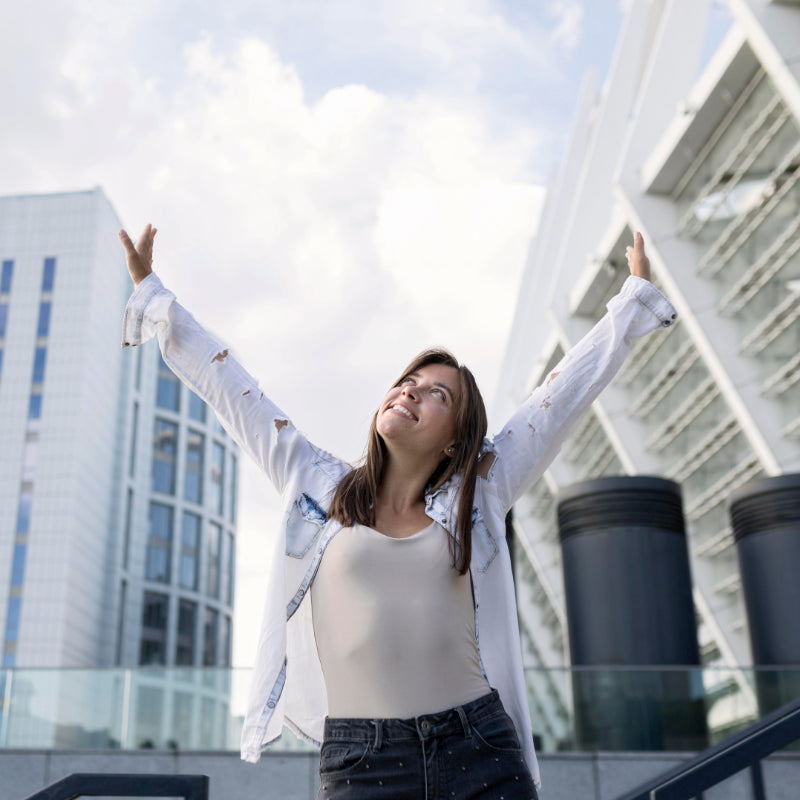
<point>450,450</point>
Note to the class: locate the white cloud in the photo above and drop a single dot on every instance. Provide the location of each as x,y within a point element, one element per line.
<point>327,240</point>
<point>569,22</point>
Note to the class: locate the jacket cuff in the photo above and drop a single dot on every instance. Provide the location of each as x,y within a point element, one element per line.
<point>146,301</point>
<point>651,298</point>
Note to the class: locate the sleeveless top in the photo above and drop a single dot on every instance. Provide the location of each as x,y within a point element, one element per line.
<point>394,625</point>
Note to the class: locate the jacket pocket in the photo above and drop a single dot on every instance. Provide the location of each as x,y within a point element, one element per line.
<point>484,547</point>
<point>303,525</point>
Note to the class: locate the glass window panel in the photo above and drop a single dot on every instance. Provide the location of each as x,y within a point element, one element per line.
<point>182,720</point>
<point>231,568</point>
<point>126,544</point>
<point>214,536</point>
<point>123,590</point>
<point>226,641</point>
<point>159,543</point>
<point>18,565</point>
<point>39,360</point>
<point>149,712</point>
<point>168,388</point>
<point>165,448</point>
<point>5,276</point>
<point>24,510</point>
<point>190,550</point>
<point>49,275</point>
<point>234,482</point>
<point>193,474</point>
<point>12,619</point>
<point>35,407</point>
<point>43,327</point>
<point>197,408</point>
<point>3,319</point>
<point>134,434</point>
<point>218,426</point>
<point>187,617</point>
<point>154,629</point>
<point>210,638</point>
<point>217,476</point>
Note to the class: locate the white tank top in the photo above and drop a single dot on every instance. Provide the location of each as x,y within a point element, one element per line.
<point>394,625</point>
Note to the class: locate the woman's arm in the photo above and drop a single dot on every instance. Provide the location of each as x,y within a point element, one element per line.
<point>209,370</point>
<point>531,439</point>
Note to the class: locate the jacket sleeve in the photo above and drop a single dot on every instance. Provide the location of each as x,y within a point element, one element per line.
<point>259,427</point>
<point>532,438</point>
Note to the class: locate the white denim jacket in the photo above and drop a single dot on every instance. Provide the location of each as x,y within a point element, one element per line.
<point>287,685</point>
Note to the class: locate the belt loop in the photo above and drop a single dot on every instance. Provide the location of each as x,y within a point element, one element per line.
<point>464,721</point>
<point>378,734</point>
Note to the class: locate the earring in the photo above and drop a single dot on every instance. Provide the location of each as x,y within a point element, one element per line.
<point>450,451</point>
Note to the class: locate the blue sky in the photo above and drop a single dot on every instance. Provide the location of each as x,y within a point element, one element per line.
<point>337,183</point>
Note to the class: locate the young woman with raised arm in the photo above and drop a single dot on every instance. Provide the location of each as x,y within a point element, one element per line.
<point>390,631</point>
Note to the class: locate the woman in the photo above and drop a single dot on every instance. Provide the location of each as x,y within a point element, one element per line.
<point>405,661</point>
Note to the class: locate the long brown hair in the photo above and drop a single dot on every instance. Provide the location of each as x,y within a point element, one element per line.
<point>354,501</point>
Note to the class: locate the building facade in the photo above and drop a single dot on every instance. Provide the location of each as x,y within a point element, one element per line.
<point>694,140</point>
<point>117,484</point>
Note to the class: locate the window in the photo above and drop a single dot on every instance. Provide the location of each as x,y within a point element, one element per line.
<point>187,616</point>
<point>154,629</point>
<point>5,276</point>
<point>226,641</point>
<point>123,590</point>
<point>38,364</point>
<point>3,319</point>
<point>126,543</point>
<point>193,474</point>
<point>18,565</point>
<point>210,638</point>
<point>217,476</point>
<point>168,388</point>
<point>214,536</point>
<point>24,509</point>
<point>12,619</point>
<point>49,275</point>
<point>190,550</point>
<point>43,327</point>
<point>35,406</point>
<point>197,408</point>
<point>231,568</point>
<point>232,495</point>
<point>134,433</point>
<point>159,543</point>
<point>165,448</point>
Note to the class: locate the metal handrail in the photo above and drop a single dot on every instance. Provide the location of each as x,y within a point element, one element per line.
<point>741,751</point>
<point>92,784</point>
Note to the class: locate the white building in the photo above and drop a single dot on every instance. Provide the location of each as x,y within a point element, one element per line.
<point>117,485</point>
<point>694,139</point>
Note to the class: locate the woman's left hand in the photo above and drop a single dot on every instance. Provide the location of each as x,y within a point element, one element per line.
<point>638,262</point>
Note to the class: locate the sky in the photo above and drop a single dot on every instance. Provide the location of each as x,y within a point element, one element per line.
<point>337,184</point>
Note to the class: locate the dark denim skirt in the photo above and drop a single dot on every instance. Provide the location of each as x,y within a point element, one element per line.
<point>469,752</point>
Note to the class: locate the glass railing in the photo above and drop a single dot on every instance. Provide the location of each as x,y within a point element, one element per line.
<point>627,709</point>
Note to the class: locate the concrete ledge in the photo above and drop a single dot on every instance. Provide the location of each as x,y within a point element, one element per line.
<point>293,776</point>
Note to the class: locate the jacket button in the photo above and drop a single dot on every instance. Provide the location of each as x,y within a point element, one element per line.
<point>271,704</point>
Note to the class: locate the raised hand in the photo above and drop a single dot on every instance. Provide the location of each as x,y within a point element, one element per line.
<point>638,262</point>
<point>140,256</point>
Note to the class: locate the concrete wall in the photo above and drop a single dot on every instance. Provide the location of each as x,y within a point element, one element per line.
<point>293,776</point>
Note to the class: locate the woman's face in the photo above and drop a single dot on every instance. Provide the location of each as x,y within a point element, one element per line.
<point>420,412</point>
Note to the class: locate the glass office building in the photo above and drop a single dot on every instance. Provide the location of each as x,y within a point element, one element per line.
<point>117,484</point>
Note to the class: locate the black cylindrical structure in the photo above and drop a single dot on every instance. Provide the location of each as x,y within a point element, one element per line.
<point>628,594</point>
<point>765,515</point>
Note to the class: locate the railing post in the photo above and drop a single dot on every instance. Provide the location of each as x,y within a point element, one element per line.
<point>757,781</point>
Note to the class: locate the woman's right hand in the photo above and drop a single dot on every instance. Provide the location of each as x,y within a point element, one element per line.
<point>140,256</point>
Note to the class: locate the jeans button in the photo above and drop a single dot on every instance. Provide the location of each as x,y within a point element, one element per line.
<point>426,726</point>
